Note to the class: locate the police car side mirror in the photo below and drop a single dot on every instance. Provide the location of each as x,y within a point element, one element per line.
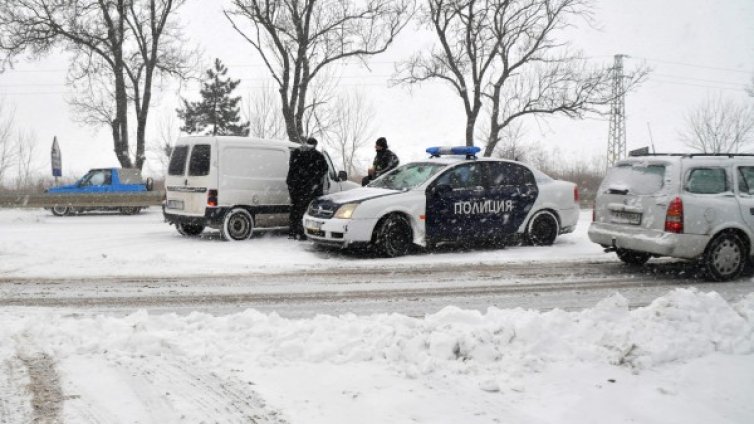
<point>441,189</point>
<point>342,175</point>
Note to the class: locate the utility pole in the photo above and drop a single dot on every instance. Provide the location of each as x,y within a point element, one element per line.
<point>616,142</point>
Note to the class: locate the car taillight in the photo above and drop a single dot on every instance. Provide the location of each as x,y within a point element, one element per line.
<point>674,216</point>
<point>212,198</point>
<point>576,194</point>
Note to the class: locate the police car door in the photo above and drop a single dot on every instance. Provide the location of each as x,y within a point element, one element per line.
<point>512,191</point>
<point>453,204</point>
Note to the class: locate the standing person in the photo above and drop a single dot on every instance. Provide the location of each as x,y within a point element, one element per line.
<point>306,171</point>
<point>384,161</point>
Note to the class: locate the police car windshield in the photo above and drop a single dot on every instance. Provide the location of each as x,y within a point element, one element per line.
<point>408,176</point>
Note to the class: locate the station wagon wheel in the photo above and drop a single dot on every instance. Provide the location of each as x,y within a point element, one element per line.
<point>394,236</point>
<point>189,230</point>
<point>632,257</point>
<point>724,258</point>
<point>237,225</point>
<point>58,210</point>
<point>543,229</point>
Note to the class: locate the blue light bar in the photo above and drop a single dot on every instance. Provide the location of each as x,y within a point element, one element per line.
<point>454,150</point>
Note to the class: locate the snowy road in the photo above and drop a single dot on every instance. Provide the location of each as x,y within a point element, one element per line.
<point>113,263</point>
<point>410,291</point>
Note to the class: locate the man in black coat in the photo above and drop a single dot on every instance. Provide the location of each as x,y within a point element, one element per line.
<point>384,160</point>
<point>306,172</point>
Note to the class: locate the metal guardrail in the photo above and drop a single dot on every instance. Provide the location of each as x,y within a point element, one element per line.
<point>46,200</point>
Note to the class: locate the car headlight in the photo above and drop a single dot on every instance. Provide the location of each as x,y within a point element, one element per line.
<point>346,211</point>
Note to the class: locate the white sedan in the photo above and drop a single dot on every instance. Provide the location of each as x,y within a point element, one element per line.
<point>451,197</point>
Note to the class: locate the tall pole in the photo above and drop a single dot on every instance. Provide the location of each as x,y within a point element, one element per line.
<point>616,142</point>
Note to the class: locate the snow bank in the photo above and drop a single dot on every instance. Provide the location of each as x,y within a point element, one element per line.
<point>682,325</point>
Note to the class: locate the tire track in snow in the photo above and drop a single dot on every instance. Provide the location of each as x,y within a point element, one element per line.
<point>44,385</point>
<point>197,394</point>
<point>15,404</point>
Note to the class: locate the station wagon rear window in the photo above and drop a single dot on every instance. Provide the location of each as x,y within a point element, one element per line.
<point>636,179</point>
<point>178,160</point>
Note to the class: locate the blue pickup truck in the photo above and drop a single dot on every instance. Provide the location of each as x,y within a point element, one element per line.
<point>105,181</point>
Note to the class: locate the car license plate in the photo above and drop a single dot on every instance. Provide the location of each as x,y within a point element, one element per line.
<point>313,225</point>
<point>175,204</point>
<point>622,217</point>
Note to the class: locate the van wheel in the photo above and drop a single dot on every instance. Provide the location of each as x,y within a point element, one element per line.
<point>393,237</point>
<point>632,257</point>
<point>725,257</point>
<point>237,225</point>
<point>189,230</point>
<point>543,229</point>
<point>61,210</point>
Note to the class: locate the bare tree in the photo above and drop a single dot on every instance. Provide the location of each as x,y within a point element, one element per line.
<point>351,128</point>
<point>161,146</point>
<point>263,114</point>
<point>512,145</point>
<point>297,40</point>
<point>507,52</point>
<point>118,45</point>
<point>719,125</point>
<point>26,166</point>
<point>465,55</point>
<point>7,148</point>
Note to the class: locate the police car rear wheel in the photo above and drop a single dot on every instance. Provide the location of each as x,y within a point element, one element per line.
<point>393,236</point>
<point>238,225</point>
<point>543,229</point>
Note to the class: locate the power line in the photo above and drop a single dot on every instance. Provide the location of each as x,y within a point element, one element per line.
<point>693,65</point>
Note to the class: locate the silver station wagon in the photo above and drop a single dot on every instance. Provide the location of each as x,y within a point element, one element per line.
<point>690,206</point>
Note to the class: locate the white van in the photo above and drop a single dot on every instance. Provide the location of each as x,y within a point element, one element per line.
<point>233,184</point>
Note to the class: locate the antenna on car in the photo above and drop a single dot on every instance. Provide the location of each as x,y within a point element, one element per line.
<point>651,139</point>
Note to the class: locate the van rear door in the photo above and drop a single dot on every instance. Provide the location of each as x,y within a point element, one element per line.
<point>188,179</point>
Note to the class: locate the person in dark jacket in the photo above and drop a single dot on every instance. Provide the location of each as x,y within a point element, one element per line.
<point>306,172</point>
<point>385,160</point>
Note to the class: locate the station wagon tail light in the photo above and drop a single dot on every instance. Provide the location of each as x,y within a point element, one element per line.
<point>212,198</point>
<point>575,194</point>
<point>674,216</point>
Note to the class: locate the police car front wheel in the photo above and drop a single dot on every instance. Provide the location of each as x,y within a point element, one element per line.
<point>393,236</point>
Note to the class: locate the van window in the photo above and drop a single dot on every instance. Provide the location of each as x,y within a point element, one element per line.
<point>199,163</point>
<point>746,179</point>
<point>707,181</point>
<point>637,179</point>
<point>178,160</point>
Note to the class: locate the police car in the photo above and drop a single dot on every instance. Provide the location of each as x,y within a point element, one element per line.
<point>451,197</point>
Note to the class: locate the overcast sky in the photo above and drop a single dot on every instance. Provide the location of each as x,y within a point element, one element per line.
<point>696,48</point>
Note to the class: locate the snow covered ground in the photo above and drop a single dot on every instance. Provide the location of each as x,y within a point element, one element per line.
<point>688,357</point>
<point>34,243</point>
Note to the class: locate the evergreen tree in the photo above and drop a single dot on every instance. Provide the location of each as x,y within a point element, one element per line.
<point>217,113</point>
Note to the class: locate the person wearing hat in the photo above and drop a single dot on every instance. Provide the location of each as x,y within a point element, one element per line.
<point>385,160</point>
<point>307,168</point>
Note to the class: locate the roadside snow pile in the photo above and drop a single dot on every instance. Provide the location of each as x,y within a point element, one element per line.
<point>682,325</point>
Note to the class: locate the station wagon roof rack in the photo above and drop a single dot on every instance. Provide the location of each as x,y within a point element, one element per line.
<point>644,151</point>
<point>692,155</point>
